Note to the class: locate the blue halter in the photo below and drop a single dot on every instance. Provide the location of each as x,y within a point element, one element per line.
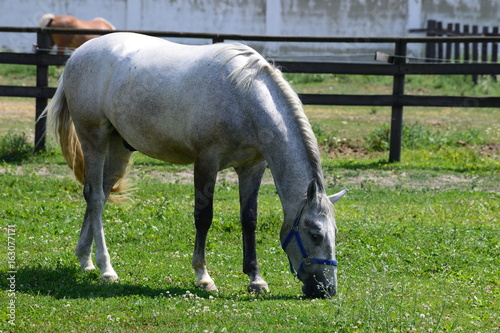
<point>306,260</point>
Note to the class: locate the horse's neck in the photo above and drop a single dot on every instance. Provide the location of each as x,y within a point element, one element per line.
<point>292,173</point>
<point>293,162</point>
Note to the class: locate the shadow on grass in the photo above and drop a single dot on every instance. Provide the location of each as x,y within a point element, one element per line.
<point>72,283</point>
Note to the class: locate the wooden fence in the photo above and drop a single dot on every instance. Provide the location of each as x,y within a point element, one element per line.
<point>450,51</point>
<point>396,65</point>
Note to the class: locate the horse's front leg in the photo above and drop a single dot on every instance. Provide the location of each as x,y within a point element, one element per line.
<point>249,184</point>
<point>204,181</point>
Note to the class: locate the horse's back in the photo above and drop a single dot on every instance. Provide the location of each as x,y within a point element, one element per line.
<point>146,51</point>
<point>134,51</point>
<point>146,69</point>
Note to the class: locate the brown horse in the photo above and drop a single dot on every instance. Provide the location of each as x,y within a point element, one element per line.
<point>68,42</point>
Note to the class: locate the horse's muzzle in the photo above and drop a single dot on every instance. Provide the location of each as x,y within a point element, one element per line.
<point>314,289</point>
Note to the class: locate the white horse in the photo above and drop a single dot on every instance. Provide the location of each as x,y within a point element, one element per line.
<point>217,106</point>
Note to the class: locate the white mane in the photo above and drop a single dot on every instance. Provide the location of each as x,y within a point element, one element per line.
<point>244,76</point>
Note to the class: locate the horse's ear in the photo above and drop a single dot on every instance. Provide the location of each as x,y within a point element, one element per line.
<point>337,196</point>
<point>312,192</point>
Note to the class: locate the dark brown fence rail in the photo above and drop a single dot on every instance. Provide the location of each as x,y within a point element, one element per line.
<point>397,66</point>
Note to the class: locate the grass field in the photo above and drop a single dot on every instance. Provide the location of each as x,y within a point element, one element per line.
<point>418,245</point>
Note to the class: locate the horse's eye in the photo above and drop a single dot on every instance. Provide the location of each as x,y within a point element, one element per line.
<point>317,238</point>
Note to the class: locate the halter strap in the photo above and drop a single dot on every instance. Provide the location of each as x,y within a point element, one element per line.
<point>306,260</point>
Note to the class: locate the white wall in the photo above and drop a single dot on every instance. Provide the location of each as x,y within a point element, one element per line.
<point>360,18</point>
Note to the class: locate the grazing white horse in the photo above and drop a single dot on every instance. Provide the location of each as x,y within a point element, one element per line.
<point>217,106</point>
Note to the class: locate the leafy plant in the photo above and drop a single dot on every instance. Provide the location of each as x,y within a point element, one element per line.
<point>327,139</point>
<point>14,147</point>
<point>379,139</point>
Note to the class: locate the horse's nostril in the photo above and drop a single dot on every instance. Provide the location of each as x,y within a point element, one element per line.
<point>318,290</point>
<point>331,291</point>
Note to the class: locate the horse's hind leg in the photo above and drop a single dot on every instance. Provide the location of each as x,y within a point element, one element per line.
<point>84,247</point>
<point>101,168</point>
<point>94,147</point>
<point>249,184</point>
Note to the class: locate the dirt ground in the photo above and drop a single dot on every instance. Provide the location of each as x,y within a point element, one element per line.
<point>354,179</point>
<point>17,114</point>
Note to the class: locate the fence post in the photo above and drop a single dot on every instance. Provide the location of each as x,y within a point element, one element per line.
<point>456,31</point>
<point>449,31</point>
<point>494,50</point>
<point>42,81</point>
<point>484,46</point>
<point>440,54</point>
<point>466,44</point>
<point>398,88</point>
<point>475,52</point>
<point>430,48</point>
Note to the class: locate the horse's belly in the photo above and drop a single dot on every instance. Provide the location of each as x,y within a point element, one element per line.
<point>171,157</point>
<point>238,158</point>
<point>166,151</point>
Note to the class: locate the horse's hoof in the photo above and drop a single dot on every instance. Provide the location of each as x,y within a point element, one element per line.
<point>207,286</point>
<point>86,263</point>
<point>258,287</point>
<point>89,267</point>
<point>110,277</point>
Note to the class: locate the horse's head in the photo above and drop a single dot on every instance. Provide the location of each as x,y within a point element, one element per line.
<point>310,243</point>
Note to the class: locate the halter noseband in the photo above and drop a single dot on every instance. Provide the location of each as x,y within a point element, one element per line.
<point>306,260</point>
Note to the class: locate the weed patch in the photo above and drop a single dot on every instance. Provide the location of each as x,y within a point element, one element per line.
<point>14,147</point>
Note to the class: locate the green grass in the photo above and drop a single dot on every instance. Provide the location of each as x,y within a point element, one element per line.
<point>412,258</point>
<point>24,75</point>
<point>418,244</point>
